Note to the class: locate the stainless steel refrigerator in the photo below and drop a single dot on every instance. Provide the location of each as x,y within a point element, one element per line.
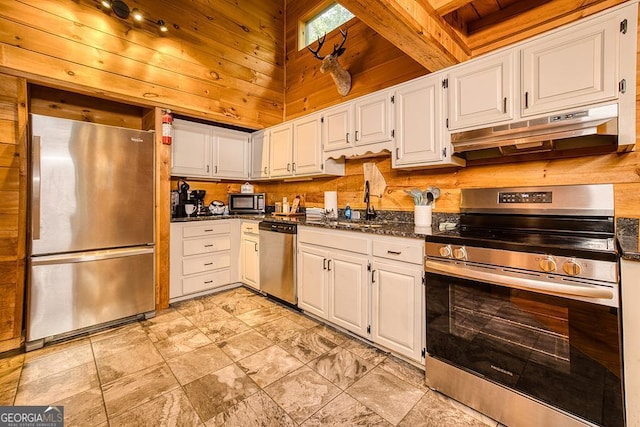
<point>91,239</point>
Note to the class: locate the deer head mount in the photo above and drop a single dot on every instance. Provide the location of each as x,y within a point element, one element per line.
<point>330,63</point>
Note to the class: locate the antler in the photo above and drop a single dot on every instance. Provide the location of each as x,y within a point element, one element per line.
<point>337,51</point>
<point>320,43</point>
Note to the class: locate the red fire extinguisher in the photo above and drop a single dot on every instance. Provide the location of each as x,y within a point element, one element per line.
<point>167,127</point>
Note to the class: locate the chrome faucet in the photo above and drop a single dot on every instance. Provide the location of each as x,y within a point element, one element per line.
<point>370,212</point>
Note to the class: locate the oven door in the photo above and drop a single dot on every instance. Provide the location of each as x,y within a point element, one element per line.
<point>558,350</point>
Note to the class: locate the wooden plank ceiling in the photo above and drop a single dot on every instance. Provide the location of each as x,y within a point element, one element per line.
<point>440,33</point>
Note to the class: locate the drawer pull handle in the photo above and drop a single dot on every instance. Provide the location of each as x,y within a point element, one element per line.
<point>208,281</point>
<point>394,252</point>
<point>208,263</point>
<point>208,246</point>
<point>208,230</point>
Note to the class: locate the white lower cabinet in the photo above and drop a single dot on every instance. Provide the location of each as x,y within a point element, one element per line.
<point>631,338</point>
<point>333,286</point>
<point>348,292</point>
<point>369,285</point>
<point>250,255</point>
<point>201,255</point>
<point>397,303</point>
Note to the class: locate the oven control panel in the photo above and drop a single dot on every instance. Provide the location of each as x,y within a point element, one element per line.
<point>525,197</point>
<point>524,261</point>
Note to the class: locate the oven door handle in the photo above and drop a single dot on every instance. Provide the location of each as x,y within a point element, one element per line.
<point>569,290</point>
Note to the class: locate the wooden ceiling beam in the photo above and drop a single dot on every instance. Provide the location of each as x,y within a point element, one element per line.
<point>444,7</point>
<point>505,30</point>
<point>415,28</point>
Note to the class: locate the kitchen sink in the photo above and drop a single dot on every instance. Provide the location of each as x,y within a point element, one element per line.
<point>359,224</point>
<point>347,224</point>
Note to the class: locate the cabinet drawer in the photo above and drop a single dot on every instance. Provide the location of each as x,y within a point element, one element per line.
<point>206,245</point>
<point>250,228</point>
<point>405,250</point>
<point>205,263</point>
<point>210,227</point>
<point>205,281</point>
<point>344,240</point>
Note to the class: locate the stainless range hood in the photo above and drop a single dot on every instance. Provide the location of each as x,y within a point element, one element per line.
<point>592,127</point>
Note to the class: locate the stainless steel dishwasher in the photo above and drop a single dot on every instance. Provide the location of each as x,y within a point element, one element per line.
<point>278,260</point>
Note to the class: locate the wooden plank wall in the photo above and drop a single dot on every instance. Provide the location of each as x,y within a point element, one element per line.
<point>373,62</point>
<point>236,79</point>
<point>13,121</point>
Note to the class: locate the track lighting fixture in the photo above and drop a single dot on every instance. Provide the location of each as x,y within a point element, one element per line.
<point>137,15</point>
<point>121,9</point>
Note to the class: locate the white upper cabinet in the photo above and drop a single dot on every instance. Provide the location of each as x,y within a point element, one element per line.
<point>583,64</point>
<point>575,67</point>
<point>231,153</point>
<point>307,145</point>
<point>296,149</point>
<point>481,91</point>
<point>373,116</point>
<point>281,150</point>
<point>191,149</point>
<point>364,122</point>
<point>420,136</point>
<point>337,127</point>
<point>205,151</point>
<point>259,154</point>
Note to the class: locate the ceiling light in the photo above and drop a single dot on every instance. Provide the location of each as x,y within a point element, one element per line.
<point>162,26</point>
<point>137,15</point>
<point>106,3</point>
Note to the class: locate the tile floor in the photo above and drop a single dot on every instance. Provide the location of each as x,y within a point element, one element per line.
<point>233,359</point>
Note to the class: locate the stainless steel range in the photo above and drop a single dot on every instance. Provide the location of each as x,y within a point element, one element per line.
<point>523,306</point>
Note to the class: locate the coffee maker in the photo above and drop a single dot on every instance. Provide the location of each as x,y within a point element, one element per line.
<point>198,199</point>
<point>183,197</point>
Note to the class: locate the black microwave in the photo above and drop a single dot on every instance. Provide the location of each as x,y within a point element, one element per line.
<point>247,203</point>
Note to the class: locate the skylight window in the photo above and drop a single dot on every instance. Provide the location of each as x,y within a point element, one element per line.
<point>323,23</point>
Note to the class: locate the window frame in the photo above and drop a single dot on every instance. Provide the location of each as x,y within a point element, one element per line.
<point>312,14</point>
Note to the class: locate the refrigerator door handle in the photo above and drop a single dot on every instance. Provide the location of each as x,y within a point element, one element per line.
<point>35,195</point>
<point>90,256</point>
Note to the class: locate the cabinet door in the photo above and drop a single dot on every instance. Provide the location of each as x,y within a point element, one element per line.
<point>418,109</point>
<point>336,128</point>
<point>307,145</point>
<point>249,260</point>
<point>191,149</point>
<point>231,154</point>
<point>396,308</point>
<point>348,292</point>
<point>481,92</point>
<point>260,155</point>
<point>571,68</point>
<point>631,338</point>
<point>373,119</point>
<point>313,287</point>
<point>281,151</point>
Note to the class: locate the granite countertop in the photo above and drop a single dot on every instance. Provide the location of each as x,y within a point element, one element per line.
<point>627,233</point>
<point>381,227</point>
<point>626,228</point>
